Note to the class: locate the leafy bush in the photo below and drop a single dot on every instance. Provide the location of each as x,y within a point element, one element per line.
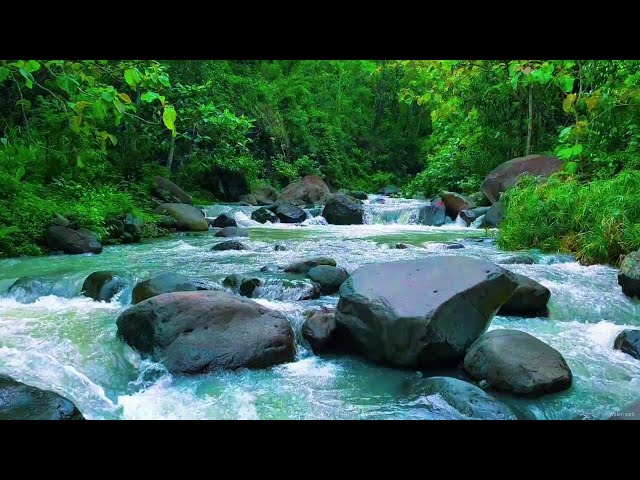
<point>600,220</point>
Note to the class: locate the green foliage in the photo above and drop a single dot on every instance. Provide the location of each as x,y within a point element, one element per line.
<point>600,220</point>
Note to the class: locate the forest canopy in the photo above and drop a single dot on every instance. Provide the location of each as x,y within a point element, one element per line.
<point>85,137</point>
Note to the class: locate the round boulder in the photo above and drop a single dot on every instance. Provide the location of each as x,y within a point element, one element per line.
<point>318,330</point>
<point>262,215</point>
<point>188,218</point>
<point>328,277</point>
<point>424,312</point>
<point>224,220</point>
<point>103,286</point>
<point>309,190</point>
<point>517,362</point>
<point>456,203</point>
<point>167,282</point>
<point>195,332</point>
<point>230,245</point>
<point>343,210</point>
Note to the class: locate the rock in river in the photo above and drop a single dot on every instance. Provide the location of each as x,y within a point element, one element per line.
<point>309,190</point>
<point>305,265</point>
<point>194,332</point>
<point>232,232</point>
<point>629,275</point>
<point>224,220</point>
<point>529,300</point>
<point>517,362</point>
<point>24,402</point>
<point>166,282</point>
<point>328,277</point>
<point>103,285</point>
<point>628,341</point>
<point>263,215</point>
<point>421,313</point>
<point>188,217</point>
<point>230,245</point>
<point>343,210</point>
<point>71,241</point>
<point>318,330</point>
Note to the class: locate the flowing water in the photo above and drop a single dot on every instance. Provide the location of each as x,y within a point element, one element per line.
<point>53,338</point>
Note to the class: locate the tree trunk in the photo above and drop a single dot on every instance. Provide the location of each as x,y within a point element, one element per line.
<point>171,150</point>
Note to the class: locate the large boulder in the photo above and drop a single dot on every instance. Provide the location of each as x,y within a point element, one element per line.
<point>263,215</point>
<point>421,313</point>
<point>230,245</point>
<point>224,220</point>
<point>265,195</point>
<point>188,218</point>
<point>249,199</point>
<point>529,300</point>
<point>287,212</point>
<point>469,400</point>
<point>506,175</point>
<point>232,232</point>
<point>305,265</point>
<point>307,191</point>
<point>103,286</point>
<point>195,332</point>
<point>343,210</point>
<point>169,192</point>
<point>318,330</point>
<point>24,402</point>
<point>433,215</point>
<point>71,241</point>
<point>517,362</point>
<point>629,275</point>
<point>494,216</point>
<point>228,185</point>
<point>456,203</point>
<point>628,341</point>
<point>328,277</point>
<point>166,282</point>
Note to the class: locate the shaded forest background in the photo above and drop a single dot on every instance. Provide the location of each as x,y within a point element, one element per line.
<point>84,138</point>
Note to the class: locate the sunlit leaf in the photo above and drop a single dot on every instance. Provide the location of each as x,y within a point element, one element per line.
<point>567,103</point>
<point>28,77</point>
<point>148,97</point>
<point>125,98</point>
<point>132,77</point>
<point>169,117</point>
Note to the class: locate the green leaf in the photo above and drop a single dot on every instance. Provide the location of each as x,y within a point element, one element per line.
<point>132,76</point>
<point>98,110</point>
<point>20,173</point>
<point>148,97</point>
<point>119,105</point>
<point>108,96</point>
<point>113,139</point>
<point>75,123</point>
<point>169,118</point>
<point>28,77</point>
<point>564,134</point>
<point>164,80</point>
<point>79,106</point>
<point>125,98</point>
<point>565,153</point>
<point>4,73</point>
<point>566,83</point>
<point>567,103</point>
<point>67,83</point>
<point>571,167</point>
<point>32,66</point>
<point>577,150</point>
<point>79,162</point>
<point>24,103</point>
<point>4,141</point>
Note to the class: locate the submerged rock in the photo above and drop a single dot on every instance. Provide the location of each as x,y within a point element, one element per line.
<point>343,210</point>
<point>232,232</point>
<point>328,277</point>
<point>103,286</point>
<point>318,330</point>
<point>628,341</point>
<point>522,259</point>
<point>23,402</point>
<point>305,265</point>
<point>517,362</point>
<point>466,398</point>
<point>453,246</point>
<point>529,300</point>
<point>188,218</point>
<point>230,245</point>
<point>224,220</point>
<point>166,282</point>
<point>71,241</point>
<point>629,275</point>
<point>424,312</point>
<point>195,332</point>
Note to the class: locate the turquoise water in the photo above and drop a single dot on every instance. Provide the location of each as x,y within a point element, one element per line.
<point>67,343</point>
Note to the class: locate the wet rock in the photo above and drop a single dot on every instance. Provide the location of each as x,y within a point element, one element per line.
<point>188,218</point>
<point>249,199</point>
<point>432,215</point>
<point>471,401</point>
<point>196,332</point>
<point>224,220</point>
<point>242,284</point>
<point>628,341</point>
<point>529,300</point>
<point>629,275</point>
<point>328,277</point>
<point>232,232</point>
<point>401,246</point>
<point>506,175</point>
<point>494,216</point>
<point>166,282</point>
<point>287,212</point>
<point>169,192</point>
<point>519,259</point>
<point>305,265</point>
<point>517,362</point>
<point>343,210</point>
<point>270,268</point>
<point>424,312</point>
<point>453,246</point>
<point>230,245</point>
<point>23,402</point>
<point>71,241</point>
<point>103,286</point>
<point>263,215</point>
<point>280,248</point>
<point>471,215</point>
<point>309,190</point>
<point>456,203</point>
<point>318,330</point>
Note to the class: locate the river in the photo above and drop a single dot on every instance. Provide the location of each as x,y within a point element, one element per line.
<point>67,343</point>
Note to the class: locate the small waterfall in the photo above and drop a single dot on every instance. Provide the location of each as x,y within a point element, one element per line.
<point>379,210</point>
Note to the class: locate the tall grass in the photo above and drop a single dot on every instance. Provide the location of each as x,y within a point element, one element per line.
<point>598,221</point>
